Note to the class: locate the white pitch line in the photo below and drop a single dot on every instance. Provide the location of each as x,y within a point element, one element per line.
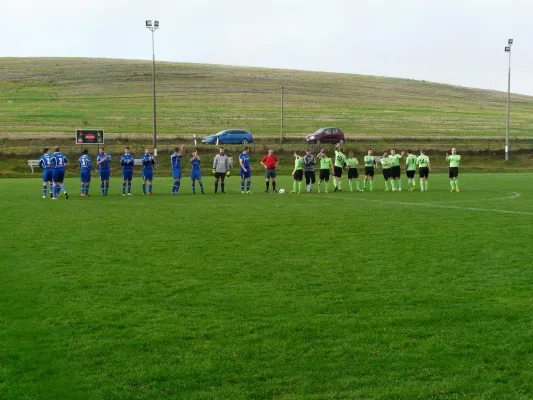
<point>514,196</point>
<point>438,206</point>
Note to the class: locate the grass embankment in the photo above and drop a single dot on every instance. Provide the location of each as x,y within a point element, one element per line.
<point>61,94</point>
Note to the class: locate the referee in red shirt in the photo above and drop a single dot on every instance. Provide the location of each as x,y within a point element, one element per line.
<point>270,162</point>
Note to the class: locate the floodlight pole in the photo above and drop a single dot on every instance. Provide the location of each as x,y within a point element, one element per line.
<point>282,116</point>
<point>508,50</point>
<point>153,29</point>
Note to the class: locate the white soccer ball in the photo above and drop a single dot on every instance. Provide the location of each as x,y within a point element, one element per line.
<point>281,191</point>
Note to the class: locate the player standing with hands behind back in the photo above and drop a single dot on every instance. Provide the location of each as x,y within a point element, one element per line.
<point>454,169</point>
<point>148,172</point>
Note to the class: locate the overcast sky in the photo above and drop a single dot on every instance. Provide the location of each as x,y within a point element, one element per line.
<point>450,41</point>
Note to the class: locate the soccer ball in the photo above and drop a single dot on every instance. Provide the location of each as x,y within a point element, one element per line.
<point>281,191</point>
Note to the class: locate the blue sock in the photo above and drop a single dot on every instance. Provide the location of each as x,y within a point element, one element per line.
<point>87,188</point>
<point>248,186</point>
<point>102,187</point>
<point>123,187</point>
<point>106,187</point>
<point>242,186</point>
<point>178,187</point>
<point>193,188</point>
<point>149,188</point>
<point>129,187</point>
<point>56,190</point>
<point>83,188</point>
<point>202,187</point>
<point>144,187</point>
<point>175,187</point>
<point>63,188</point>
<point>44,189</point>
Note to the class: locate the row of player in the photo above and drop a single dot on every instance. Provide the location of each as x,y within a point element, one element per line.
<point>53,166</point>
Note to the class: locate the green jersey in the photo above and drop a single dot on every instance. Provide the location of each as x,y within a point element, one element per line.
<point>340,159</point>
<point>325,162</point>
<point>385,162</point>
<point>298,163</point>
<point>370,161</point>
<point>454,160</point>
<point>410,162</point>
<point>395,160</point>
<point>353,161</point>
<point>422,161</point>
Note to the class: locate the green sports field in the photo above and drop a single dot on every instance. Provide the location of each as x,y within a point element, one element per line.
<point>341,296</point>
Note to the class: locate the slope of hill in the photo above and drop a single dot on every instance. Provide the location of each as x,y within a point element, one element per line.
<point>61,94</point>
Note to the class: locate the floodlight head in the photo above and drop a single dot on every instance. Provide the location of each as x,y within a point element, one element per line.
<point>156,24</point>
<point>510,41</point>
<point>507,49</point>
<point>148,23</point>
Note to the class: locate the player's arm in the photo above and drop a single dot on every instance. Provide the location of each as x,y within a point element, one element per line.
<point>277,162</point>
<point>182,150</point>
<point>41,163</point>
<point>99,160</point>
<point>429,166</point>
<point>65,161</point>
<point>122,161</point>
<point>242,165</point>
<point>263,162</point>
<point>447,157</point>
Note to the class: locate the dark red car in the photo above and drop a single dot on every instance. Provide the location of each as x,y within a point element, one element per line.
<point>326,135</point>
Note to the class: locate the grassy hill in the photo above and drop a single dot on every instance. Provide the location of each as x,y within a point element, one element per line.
<point>61,94</point>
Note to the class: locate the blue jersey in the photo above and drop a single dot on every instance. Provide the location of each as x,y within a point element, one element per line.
<point>104,165</point>
<point>127,161</point>
<point>175,160</point>
<point>147,162</point>
<point>85,163</point>
<point>245,160</point>
<point>195,164</point>
<point>58,161</point>
<point>44,161</point>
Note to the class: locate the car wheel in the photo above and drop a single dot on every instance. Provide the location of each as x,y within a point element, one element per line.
<point>244,141</point>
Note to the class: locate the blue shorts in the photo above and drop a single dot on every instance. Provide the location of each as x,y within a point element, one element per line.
<point>148,176</point>
<point>196,175</point>
<point>176,173</point>
<point>58,175</point>
<point>85,176</point>
<point>127,175</point>
<point>105,174</point>
<point>47,175</point>
<point>246,175</point>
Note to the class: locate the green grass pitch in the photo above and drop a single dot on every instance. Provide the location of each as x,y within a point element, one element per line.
<point>339,296</point>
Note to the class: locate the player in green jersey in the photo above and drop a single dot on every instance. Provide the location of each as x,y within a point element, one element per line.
<point>352,163</point>
<point>385,166</point>
<point>340,163</point>
<point>410,170</point>
<point>326,167</point>
<point>370,163</point>
<point>424,168</point>
<point>396,170</point>
<point>298,173</point>
<point>453,173</point>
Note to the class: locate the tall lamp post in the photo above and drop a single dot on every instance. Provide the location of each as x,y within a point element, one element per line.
<point>153,29</point>
<point>508,50</point>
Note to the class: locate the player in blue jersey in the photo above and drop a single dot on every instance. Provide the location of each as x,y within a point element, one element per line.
<point>85,172</point>
<point>104,170</point>
<point>175,161</point>
<point>44,163</point>
<point>246,170</point>
<point>148,173</point>
<point>127,161</point>
<point>196,173</point>
<point>58,161</point>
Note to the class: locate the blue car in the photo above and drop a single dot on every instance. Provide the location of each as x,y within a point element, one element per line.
<point>230,136</point>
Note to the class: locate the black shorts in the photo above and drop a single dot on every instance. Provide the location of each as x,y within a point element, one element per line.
<point>454,172</point>
<point>396,171</point>
<point>369,171</point>
<point>423,172</point>
<point>337,172</point>
<point>298,175</point>
<point>220,175</point>
<point>386,173</point>
<point>324,175</point>
<point>352,173</point>
<point>310,177</point>
<point>410,174</point>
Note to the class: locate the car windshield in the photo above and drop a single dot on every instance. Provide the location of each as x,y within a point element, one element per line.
<point>321,130</point>
<point>219,133</point>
